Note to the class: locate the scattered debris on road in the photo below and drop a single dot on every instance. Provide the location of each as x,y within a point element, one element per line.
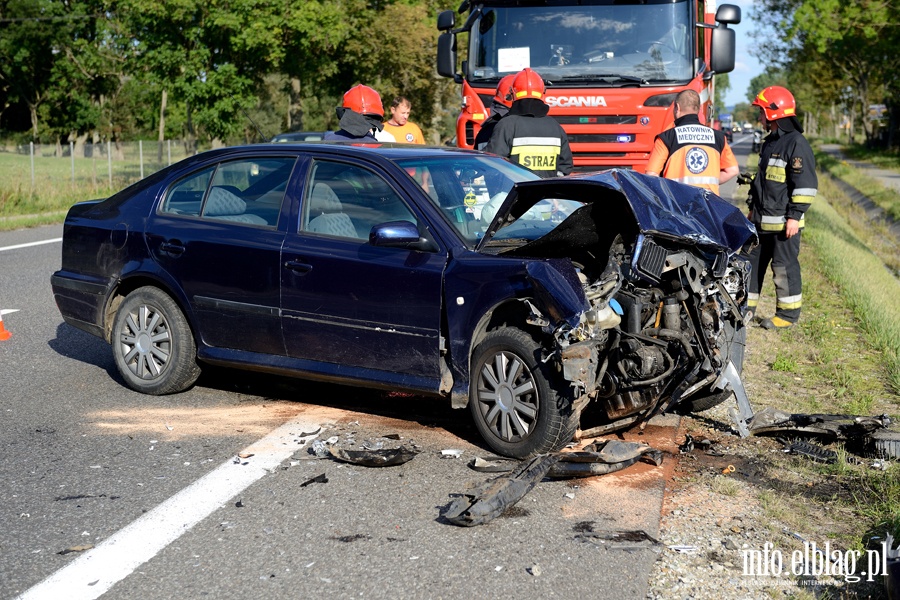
<point>317,479</point>
<point>864,436</point>
<point>491,498</point>
<point>375,458</point>
<point>73,549</point>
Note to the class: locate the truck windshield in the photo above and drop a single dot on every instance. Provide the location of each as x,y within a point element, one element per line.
<point>605,44</point>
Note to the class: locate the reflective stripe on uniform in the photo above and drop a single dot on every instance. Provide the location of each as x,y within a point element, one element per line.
<point>536,153</point>
<point>803,196</point>
<point>789,302</point>
<point>536,141</point>
<point>767,223</point>
<point>698,180</point>
<point>772,223</point>
<point>752,300</point>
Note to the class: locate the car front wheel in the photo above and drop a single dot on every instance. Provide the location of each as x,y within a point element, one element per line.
<point>152,343</point>
<point>516,407</point>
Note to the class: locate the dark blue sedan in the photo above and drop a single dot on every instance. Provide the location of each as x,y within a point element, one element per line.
<point>438,271</point>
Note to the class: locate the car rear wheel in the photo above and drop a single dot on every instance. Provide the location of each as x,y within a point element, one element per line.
<point>517,409</point>
<point>152,343</point>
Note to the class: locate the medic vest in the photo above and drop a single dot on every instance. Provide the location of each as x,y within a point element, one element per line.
<point>695,153</point>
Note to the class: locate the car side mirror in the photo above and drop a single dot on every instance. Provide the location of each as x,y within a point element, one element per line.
<point>399,234</point>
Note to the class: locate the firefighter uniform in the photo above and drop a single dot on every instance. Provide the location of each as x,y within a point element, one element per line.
<point>784,187</point>
<point>691,153</point>
<point>527,136</point>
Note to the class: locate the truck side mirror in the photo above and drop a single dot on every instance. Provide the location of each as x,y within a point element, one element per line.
<point>446,55</point>
<point>722,49</point>
<point>446,20</point>
<point>727,13</point>
<point>723,39</point>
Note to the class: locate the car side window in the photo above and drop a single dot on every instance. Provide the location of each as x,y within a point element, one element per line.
<point>348,201</point>
<point>244,191</point>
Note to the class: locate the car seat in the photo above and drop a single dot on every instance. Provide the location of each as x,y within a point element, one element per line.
<point>325,213</point>
<point>223,203</point>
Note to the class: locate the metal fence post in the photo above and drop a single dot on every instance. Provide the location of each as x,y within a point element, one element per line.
<point>72,157</point>
<point>141,156</point>
<point>109,161</point>
<point>169,149</point>
<point>31,152</point>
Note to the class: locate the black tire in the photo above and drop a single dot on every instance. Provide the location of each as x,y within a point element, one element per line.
<point>710,398</point>
<point>521,412</point>
<point>153,345</point>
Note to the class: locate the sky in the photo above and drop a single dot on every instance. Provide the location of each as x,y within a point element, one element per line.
<point>746,67</point>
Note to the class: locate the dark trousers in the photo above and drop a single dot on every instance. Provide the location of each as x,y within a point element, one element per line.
<point>783,254</point>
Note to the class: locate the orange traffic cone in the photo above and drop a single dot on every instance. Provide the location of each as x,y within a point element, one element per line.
<point>4,334</point>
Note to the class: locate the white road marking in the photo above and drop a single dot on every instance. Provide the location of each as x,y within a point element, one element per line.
<point>30,244</point>
<point>92,574</point>
<point>6,311</point>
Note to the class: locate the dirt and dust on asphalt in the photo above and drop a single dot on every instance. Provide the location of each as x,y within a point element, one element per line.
<point>565,538</point>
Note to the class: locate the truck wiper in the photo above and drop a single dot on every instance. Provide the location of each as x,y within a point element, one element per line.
<point>608,77</point>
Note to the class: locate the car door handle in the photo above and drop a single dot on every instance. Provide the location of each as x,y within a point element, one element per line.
<point>173,248</point>
<point>297,266</point>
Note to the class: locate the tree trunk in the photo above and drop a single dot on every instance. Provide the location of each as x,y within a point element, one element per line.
<point>295,107</point>
<point>78,148</point>
<point>32,110</point>
<point>190,145</point>
<point>162,125</point>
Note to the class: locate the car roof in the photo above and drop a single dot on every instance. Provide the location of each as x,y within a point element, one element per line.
<point>388,150</point>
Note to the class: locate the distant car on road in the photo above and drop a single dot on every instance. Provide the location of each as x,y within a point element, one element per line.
<point>332,262</point>
<point>299,136</point>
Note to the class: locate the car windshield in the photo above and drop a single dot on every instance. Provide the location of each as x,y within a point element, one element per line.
<point>610,44</point>
<point>469,190</point>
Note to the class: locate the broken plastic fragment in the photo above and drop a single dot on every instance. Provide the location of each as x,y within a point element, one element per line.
<point>451,453</point>
<point>79,548</point>
<point>375,458</point>
<point>492,464</point>
<point>317,479</point>
<point>319,449</point>
<point>492,498</point>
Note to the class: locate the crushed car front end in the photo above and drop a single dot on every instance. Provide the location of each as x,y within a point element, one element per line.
<point>639,293</point>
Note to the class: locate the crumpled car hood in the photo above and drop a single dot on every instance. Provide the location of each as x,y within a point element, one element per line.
<point>661,207</point>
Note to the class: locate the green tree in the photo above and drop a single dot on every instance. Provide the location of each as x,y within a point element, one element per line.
<point>211,56</point>
<point>31,33</point>
<point>836,52</point>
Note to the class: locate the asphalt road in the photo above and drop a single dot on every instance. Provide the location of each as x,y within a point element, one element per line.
<point>109,492</point>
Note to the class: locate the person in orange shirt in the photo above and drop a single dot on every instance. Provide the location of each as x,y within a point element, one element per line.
<point>399,125</point>
<point>690,152</point>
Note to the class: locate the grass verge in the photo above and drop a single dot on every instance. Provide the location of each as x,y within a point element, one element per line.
<point>883,197</point>
<point>842,358</point>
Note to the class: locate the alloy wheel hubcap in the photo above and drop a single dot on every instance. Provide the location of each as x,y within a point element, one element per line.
<point>146,343</point>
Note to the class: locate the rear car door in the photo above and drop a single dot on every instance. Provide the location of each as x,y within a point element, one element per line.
<point>361,311</point>
<point>216,234</point>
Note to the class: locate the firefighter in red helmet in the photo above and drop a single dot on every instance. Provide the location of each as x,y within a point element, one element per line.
<point>528,136</point>
<point>503,99</point>
<point>781,192</point>
<point>360,116</point>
